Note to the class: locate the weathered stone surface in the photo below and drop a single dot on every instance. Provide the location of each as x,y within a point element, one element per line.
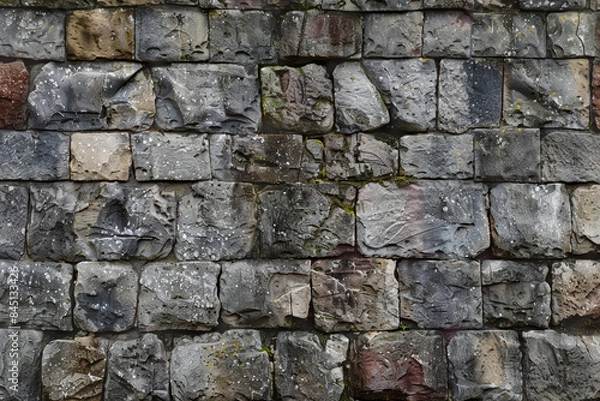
<point>552,5</point>
<point>120,3</point>
<point>437,156</point>
<point>440,294</point>
<point>492,35</point>
<point>224,232</point>
<point>25,348</point>
<point>138,370</point>
<point>208,98</point>
<point>495,5</point>
<point>585,219</point>
<point>298,99</point>
<point>221,366</point>
<point>100,33</point>
<point>91,96</point>
<point>316,34</point>
<point>307,370</point>
<point>529,36</point>
<point>399,365</point>
<point>170,156</point>
<point>74,369</point>
<point>576,293</point>
<point>313,160</point>
<point>43,294</point>
<point>393,35</point>
<point>371,5</point>
<point>179,296</point>
<point>59,3</point>
<point>470,94</point>
<point>14,201</point>
<point>265,293</point>
<point>444,4</point>
<point>515,294</point>
<point>409,91</point>
<point>570,156</point>
<point>171,33</point>
<point>530,220</point>
<point>571,34</point>
<point>485,365</point>
<point>427,219</point>
<point>100,156</point>
<point>560,366</point>
<point>447,34</point>
<point>358,157</point>
<point>507,154</point>
<point>14,88</point>
<point>596,91</point>
<point>32,34</point>
<point>304,221</point>
<point>547,93</point>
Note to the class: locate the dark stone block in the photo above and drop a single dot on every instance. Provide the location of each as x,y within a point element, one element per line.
<point>570,156</point>
<point>25,348</point>
<point>14,201</point>
<point>14,88</point>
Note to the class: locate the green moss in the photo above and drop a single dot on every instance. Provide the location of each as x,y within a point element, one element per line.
<point>403,180</point>
<point>266,349</point>
<point>346,208</point>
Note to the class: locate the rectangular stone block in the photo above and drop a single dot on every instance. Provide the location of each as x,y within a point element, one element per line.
<point>447,34</point>
<point>585,219</point>
<point>100,156</point>
<point>66,4</point>
<point>14,201</point>
<point>371,5</point>
<point>553,5</point>
<point>14,88</point>
<point>575,293</point>
<point>571,34</point>
<point>570,156</point>
<point>23,347</point>
<point>393,34</point>
<point>596,93</point>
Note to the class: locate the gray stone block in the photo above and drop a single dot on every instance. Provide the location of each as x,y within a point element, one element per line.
<point>14,89</point>
<point>450,299</point>
<point>20,374</point>
<point>14,202</point>
<point>445,4</point>
<point>570,156</point>
<point>265,293</point>
<point>492,35</point>
<point>371,5</point>
<point>447,34</point>
<point>99,156</point>
<point>552,5</point>
<point>43,294</point>
<point>585,219</point>
<point>529,36</point>
<point>313,160</point>
<point>571,34</point>
<point>531,220</point>
<point>575,296</point>
<point>63,4</point>
<point>355,295</point>
<point>208,98</point>
<point>427,219</point>
<point>393,35</point>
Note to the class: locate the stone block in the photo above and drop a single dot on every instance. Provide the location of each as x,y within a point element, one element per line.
<point>313,160</point>
<point>14,202</point>
<point>208,232</point>
<point>571,34</point>
<point>169,33</point>
<point>596,92</point>
<point>409,89</point>
<point>570,156</point>
<point>25,348</point>
<point>576,293</point>
<point>122,3</point>
<point>496,5</point>
<point>298,99</point>
<point>585,219</point>
<point>447,34</point>
<point>265,293</point>
<point>100,33</point>
<point>515,294</point>
<point>207,97</point>
<point>427,219</point>
<point>14,88</point>
<point>552,5</point>
<point>530,220</point>
<point>43,295</point>
<point>393,34</point>
<point>304,221</point>
<point>63,4</point>
<point>371,5</point>
<point>547,93</point>
<point>445,4</point>
<point>529,36</point>
<point>470,94</point>
<point>492,35</point>
<point>307,369</point>
<point>507,154</point>
<point>100,156</point>
<point>161,156</point>
<point>399,365</point>
<point>443,294</point>
<point>179,296</point>
<point>437,155</point>
<point>485,365</point>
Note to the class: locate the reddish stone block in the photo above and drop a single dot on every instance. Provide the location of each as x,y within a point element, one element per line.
<point>14,89</point>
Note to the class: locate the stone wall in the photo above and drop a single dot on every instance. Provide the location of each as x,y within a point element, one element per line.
<point>299,200</point>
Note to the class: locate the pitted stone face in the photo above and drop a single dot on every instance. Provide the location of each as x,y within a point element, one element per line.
<point>29,355</point>
<point>14,88</point>
<point>14,201</point>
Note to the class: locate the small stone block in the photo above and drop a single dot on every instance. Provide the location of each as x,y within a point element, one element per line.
<point>575,295</point>
<point>447,34</point>
<point>393,35</point>
<point>25,348</point>
<point>585,219</point>
<point>14,201</point>
<point>570,156</point>
<point>552,5</point>
<point>492,35</point>
<point>529,36</point>
<point>102,156</point>
<point>14,88</point>
<point>571,34</point>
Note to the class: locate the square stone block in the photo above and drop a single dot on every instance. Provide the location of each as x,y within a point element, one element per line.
<point>492,35</point>
<point>393,35</point>
<point>102,156</point>
<point>576,293</point>
<point>447,34</point>
<point>571,34</point>
<point>14,201</point>
<point>570,156</point>
<point>14,88</point>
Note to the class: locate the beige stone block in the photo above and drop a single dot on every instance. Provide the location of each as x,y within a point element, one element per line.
<point>100,156</point>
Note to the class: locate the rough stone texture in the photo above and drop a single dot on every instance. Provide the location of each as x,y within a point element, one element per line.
<point>298,99</point>
<point>14,88</point>
<point>530,220</point>
<point>316,34</point>
<point>208,98</point>
<point>596,91</point>
<point>393,35</point>
<point>576,293</point>
<point>560,366</point>
<point>569,156</point>
<point>547,93</point>
<point>63,4</point>
<point>227,366</point>
<point>585,219</point>
<point>437,4</point>
<point>308,369</point>
<point>138,370</point>
<point>529,36</point>
<point>313,160</point>
<point>14,202</point>
<point>470,94</point>
<point>399,365</point>
<point>371,5</point>
<point>170,156</point>
<point>358,157</point>
<point>91,96</point>
<point>485,365</point>
<point>100,156</point>
<point>74,369</point>
<point>515,294</point>
<point>32,34</point>
<point>427,219</point>
<point>552,5</point>
<point>440,294</point>
<point>179,296</point>
<point>304,221</point>
<point>571,34</point>
<point>492,35</point>
<point>105,296</point>
<point>447,34</point>
<point>437,156</point>
<point>507,154</point>
<point>171,33</point>
<point>100,33</point>
<point>26,376</point>
<point>43,294</point>
<point>213,233</point>
<point>265,293</point>
<point>272,158</point>
<point>409,91</point>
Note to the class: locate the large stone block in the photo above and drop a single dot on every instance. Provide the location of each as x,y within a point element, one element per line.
<point>393,35</point>
<point>265,293</point>
<point>23,347</point>
<point>576,293</point>
<point>585,219</point>
<point>100,156</point>
<point>14,88</point>
<point>355,294</point>
<point>208,98</point>
<point>427,219</point>
<point>14,201</point>
<point>447,34</point>
<point>570,156</point>
<point>571,34</point>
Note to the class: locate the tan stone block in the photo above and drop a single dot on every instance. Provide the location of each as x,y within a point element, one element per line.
<point>14,88</point>
<point>100,156</point>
